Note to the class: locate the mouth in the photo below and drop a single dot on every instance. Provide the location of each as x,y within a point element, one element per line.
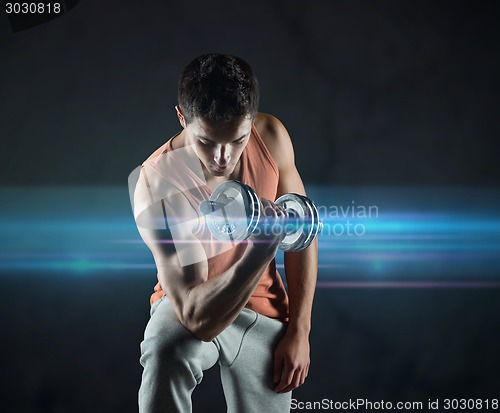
<point>220,170</point>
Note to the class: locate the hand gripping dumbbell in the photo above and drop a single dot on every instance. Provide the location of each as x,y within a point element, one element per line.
<point>233,213</point>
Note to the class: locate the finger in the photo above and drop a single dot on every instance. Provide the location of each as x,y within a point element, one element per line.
<point>294,382</point>
<point>282,211</point>
<point>299,379</point>
<point>269,209</point>
<point>286,378</point>
<point>272,207</point>
<point>304,376</point>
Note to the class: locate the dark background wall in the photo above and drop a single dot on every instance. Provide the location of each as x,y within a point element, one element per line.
<point>373,92</point>
<point>389,93</point>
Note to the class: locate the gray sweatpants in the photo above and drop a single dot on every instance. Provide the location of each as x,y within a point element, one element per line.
<point>174,361</point>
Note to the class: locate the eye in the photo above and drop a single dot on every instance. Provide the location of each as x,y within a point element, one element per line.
<point>240,142</point>
<point>205,143</point>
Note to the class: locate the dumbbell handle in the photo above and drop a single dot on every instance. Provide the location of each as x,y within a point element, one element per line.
<point>297,207</point>
<point>207,206</point>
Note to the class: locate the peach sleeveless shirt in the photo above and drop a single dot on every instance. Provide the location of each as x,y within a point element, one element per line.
<point>259,171</point>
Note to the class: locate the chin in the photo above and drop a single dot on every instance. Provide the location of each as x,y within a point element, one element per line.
<point>223,173</point>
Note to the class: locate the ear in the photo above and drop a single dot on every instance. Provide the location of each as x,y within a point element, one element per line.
<point>180,116</point>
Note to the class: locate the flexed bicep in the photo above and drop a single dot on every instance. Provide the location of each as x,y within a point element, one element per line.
<point>167,222</point>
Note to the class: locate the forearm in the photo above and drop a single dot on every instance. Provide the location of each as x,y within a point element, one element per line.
<point>301,269</point>
<point>209,307</point>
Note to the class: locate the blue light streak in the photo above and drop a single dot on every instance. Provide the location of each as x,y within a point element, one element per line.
<point>433,236</point>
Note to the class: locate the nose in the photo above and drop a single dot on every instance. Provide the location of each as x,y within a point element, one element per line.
<point>222,156</point>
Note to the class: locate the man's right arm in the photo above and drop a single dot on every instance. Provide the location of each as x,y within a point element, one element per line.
<point>204,306</point>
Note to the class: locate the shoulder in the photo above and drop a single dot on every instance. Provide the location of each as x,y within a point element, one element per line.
<point>276,138</point>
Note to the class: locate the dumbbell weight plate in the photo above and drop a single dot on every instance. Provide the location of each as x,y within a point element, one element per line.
<point>235,211</point>
<point>305,224</point>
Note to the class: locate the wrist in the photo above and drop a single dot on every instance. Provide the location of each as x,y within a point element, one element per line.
<point>262,249</point>
<point>298,329</point>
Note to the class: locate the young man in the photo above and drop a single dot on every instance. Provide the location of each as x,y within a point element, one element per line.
<point>213,303</point>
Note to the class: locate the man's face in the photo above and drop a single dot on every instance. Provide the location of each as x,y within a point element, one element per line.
<point>219,146</point>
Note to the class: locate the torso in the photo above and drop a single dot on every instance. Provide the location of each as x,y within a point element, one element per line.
<point>269,297</point>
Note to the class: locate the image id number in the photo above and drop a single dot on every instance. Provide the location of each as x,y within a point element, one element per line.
<point>33,8</point>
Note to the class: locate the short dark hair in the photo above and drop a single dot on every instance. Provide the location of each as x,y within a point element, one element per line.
<point>219,88</point>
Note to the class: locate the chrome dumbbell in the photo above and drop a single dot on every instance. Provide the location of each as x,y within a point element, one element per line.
<point>233,213</point>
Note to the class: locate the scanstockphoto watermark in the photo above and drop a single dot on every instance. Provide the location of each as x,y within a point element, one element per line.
<point>431,404</point>
<point>349,220</point>
<point>364,405</point>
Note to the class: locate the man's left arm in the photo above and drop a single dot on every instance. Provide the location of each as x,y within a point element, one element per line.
<point>291,357</point>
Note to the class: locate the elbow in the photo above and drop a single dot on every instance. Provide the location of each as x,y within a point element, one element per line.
<point>202,328</point>
<point>205,336</point>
